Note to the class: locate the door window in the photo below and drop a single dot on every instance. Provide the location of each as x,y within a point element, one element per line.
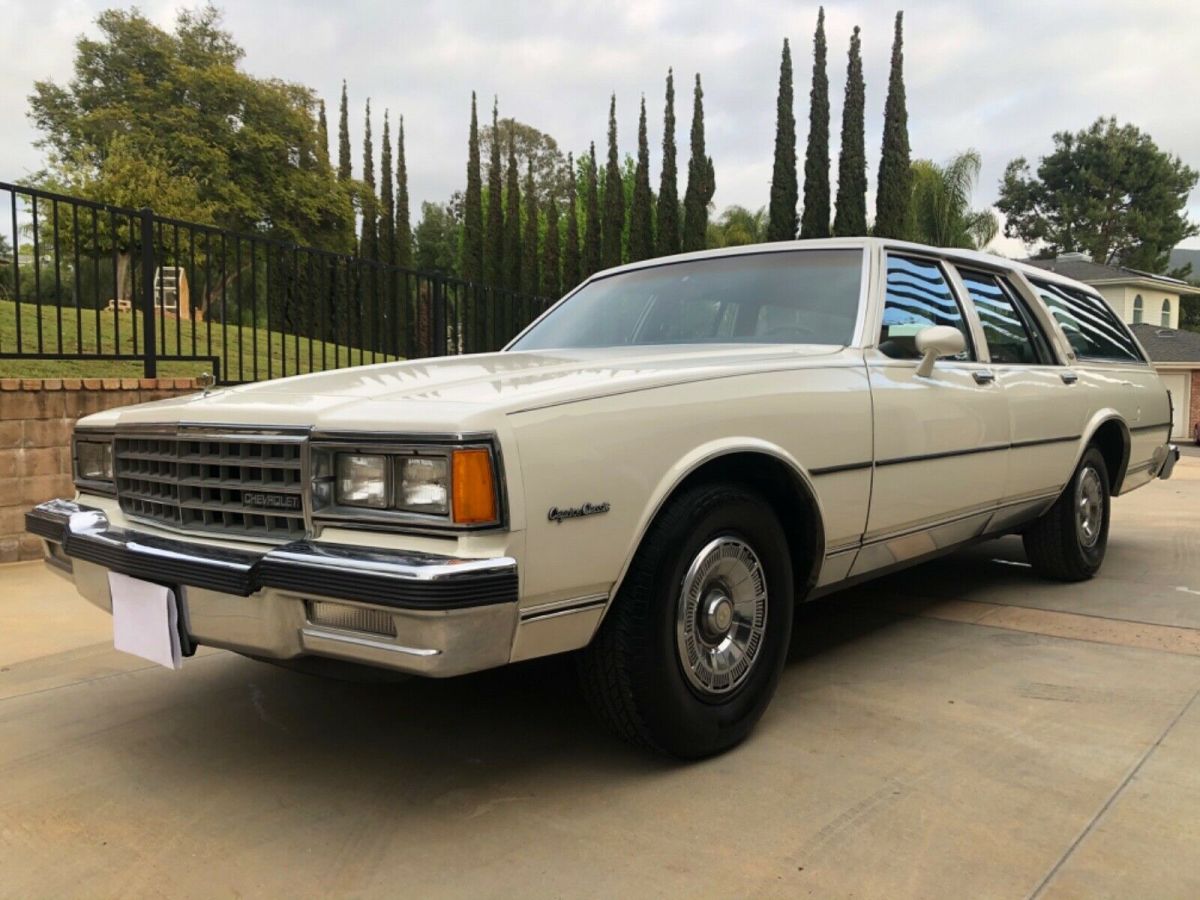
<point>918,295</point>
<point>1010,336</point>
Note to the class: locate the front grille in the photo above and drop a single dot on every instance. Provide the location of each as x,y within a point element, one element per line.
<point>245,486</point>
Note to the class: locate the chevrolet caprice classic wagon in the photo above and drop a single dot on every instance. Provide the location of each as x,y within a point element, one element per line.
<point>652,474</point>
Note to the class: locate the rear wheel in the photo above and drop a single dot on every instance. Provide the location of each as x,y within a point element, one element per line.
<point>687,659</point>
<point>1068,542</point>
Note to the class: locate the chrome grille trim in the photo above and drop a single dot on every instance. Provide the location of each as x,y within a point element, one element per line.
<point>216,481</point>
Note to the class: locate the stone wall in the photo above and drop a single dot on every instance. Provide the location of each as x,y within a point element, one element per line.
<point>36,419</point>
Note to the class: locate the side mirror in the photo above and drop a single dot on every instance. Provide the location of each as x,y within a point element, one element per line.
<point>935,342</point>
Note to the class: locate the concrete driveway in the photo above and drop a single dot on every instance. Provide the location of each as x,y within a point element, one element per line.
<point>959,730</point>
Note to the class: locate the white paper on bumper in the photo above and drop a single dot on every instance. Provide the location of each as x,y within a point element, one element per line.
<point>145,620</point>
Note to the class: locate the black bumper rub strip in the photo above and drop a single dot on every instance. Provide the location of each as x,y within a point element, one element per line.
<point>402,579</point>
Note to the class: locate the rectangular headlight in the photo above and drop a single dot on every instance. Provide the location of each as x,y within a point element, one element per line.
<point>93,460</point>
<point>362,480</point>
<point>423,485</point>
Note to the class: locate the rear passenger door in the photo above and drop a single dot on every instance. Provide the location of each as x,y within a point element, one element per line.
<point>1046,409</point>
<point>941,442</point>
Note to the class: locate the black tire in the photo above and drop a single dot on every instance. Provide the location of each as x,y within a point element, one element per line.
<point>633,674</point>
<point>1056,544</point>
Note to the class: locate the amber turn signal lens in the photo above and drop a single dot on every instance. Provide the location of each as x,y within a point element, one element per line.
<point>474,487</point>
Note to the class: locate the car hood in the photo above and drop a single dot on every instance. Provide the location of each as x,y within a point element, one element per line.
<point>456,392</point>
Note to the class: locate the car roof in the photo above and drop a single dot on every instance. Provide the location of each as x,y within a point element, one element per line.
<point>954,254</point>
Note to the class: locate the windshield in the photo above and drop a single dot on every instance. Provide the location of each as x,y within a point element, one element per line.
<point>787,297</point>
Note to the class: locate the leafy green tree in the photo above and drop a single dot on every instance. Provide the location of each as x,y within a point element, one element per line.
<point>702,182</point>
<point>893,199</point>
<point>738,226</point>
<point>551,281</point>
<point>784,191</point>
<point>387,198</point>
<point>181,99</point>
<point>613,221</point>
<point>850,216</point>
<point>1107,191</point>
<point>641,207</point>
<point>591,214</point>
<point>512,223</point>
<point>941,204</point>
<point>572,269</point>
<point>814,222</point>
<point>667,231</point>
<point>472,250</point>
<point>322,136</point>
<point>344,169</point>
<point>532,146</point>
<point>368,243</point>
<point>529,241</point>
<point>493,249</point>
<point>436,239</point>
<point>403,225</point>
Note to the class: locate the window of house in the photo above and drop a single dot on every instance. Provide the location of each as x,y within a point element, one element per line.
<point>1091,328</point>
<point>1164,318</point>
<point>1137,310</point>
<point>918,295</point>
<point>1011,337</point>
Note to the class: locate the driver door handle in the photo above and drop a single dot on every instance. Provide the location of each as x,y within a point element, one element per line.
<point>1068,377</point>
<point>984,376</point>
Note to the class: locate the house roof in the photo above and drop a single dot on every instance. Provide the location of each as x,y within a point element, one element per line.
<point>1098,273</point>
<point>1168,344</point>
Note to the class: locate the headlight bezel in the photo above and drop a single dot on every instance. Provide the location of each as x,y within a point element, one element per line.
<point>106,485</point>
<point>327,509</point>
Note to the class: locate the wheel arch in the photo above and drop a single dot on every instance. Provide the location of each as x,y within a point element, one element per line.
<point>1110,435</point>
<point>770,471</point>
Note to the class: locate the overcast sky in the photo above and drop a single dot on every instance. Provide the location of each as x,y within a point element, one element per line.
<point>997,76</point>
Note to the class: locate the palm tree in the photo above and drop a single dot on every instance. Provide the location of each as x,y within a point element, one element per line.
<point>941,201</point>
<point>738,226</point>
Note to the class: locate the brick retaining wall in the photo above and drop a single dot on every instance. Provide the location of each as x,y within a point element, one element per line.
<point>1195,410</point>
<point>36,419</point>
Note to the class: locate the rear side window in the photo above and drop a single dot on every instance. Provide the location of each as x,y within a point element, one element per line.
<point>1011,337</point>
<point>918,295</point>
<point>1091,328</point>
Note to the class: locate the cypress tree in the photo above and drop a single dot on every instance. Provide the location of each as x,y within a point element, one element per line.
<point>815,221</point>
<point>572,265</point>
<point>322,136</point>
<point>667,236</point>
<point>850,219</point>
<point>781,220</point>
<point>387,199</point>
<point>551,285</point>
<point>641,223</point>
<point>472,252</point>
<point>344,172</point>
<point>702,182</point>
<point>893,199</point>
<point>493,250</point>
<point>403,226</point>
<point>591,217</point>
<point>368,245</point>
<point>512,223</point>
<point>613,223</point>
<point>529,241</point>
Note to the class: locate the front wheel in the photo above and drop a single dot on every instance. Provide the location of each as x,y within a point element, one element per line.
<point>687,659</point>
<point>1068,542</point>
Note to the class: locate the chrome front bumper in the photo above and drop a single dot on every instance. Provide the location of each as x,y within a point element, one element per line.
<point>440,615</point>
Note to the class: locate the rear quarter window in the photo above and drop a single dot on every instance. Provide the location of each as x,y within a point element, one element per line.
<point>1091,328</point>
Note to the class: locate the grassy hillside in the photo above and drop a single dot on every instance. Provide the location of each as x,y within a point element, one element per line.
<point>276,353</point>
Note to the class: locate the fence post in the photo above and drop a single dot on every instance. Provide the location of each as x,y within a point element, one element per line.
<point>149,339</point>
<point>439,317</point>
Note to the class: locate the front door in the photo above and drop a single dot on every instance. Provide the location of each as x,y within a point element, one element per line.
<point>941,442</point>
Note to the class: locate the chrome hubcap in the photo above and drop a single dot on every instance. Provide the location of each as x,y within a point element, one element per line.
<point>721,615</point>
<point>1089,507</point>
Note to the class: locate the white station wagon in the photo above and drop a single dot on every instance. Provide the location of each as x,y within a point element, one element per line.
<point>652,474</point>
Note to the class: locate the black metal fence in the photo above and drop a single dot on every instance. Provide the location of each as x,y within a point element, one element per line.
<point>82,281</point>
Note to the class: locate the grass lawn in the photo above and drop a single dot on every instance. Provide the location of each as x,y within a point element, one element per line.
<point>258,355</point>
